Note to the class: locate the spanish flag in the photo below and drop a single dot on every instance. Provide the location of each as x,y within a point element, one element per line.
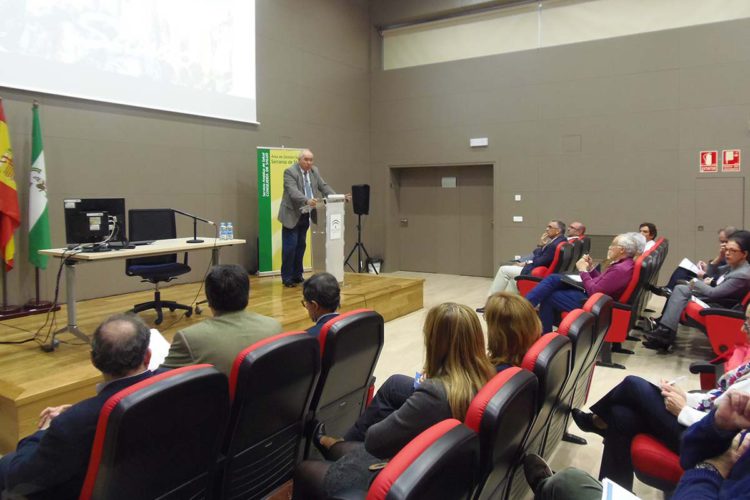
<point>10,215</point>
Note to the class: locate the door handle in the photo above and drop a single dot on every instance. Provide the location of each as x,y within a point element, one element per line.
<point>404,222</point>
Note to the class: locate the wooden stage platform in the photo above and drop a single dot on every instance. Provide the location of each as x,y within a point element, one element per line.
<point>31,379</point>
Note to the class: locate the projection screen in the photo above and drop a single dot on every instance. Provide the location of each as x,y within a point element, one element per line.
<point>186,56</point>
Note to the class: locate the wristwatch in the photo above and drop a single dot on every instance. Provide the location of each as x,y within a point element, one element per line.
<point>708,466</point>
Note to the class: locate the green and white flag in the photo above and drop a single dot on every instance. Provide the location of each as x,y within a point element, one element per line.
<point>39,236</point>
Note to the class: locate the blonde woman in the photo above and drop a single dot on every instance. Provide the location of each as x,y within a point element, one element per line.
<point>512,328</point>
<point>456,367</point>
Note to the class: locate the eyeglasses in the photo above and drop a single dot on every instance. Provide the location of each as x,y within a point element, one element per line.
<point>732,250</point>
<point>304,303</point>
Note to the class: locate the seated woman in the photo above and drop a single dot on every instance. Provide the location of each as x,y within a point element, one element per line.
<point>512,328</point>
<point>553,294</point>
<point>637,406</point>
<point>456,367</point>
<point>728,288</point>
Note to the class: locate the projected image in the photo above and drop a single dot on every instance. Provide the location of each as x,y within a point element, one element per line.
<point>197,46</point>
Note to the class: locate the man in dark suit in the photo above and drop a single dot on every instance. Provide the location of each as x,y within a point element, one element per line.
<point>543,255</point>
<point>52,462</point>
<point>301,183</point>
<point>322,297</point>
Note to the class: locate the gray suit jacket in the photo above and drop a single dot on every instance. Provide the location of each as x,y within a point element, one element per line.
<point>734,286</point>
<point>294,197</point>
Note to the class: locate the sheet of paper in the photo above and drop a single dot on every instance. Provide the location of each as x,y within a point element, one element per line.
<point>613,491</point>
<point>575,277</point>
<point>159,349</point>
<point>688,264</point>
<point>699,302</point>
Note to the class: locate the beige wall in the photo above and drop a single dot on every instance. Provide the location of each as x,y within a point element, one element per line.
<point>606,131</point>
<point>313,91</point>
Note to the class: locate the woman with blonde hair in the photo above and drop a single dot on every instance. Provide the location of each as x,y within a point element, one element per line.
<point>512,328</point>
<point>456,367</point>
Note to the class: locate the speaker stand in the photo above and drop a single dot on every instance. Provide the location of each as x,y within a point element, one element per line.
<point>359,247</point>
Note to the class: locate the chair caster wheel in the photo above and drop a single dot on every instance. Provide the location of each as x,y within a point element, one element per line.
<point>158,321</point>
<point>198,310</point>
<point>188,313</point>
<point>171,309</point>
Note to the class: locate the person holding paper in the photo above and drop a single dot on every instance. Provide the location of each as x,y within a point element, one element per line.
<point>714,456</point>
<point>52,462</point>
<point>555,293</point>
<point>688,270</point>
<point>731,285</point>
<point>636,406</point>
<point>301,183</point>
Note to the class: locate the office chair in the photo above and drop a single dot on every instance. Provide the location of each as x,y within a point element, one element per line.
<point>155,224</point>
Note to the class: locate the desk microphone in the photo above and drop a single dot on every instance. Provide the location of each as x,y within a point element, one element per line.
<point>195,224</point>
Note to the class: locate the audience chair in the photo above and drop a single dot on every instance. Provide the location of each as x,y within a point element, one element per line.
<point>580,327</point>
<point>563,254</point>
<point>628,305</point>
<point>550,360</point>
<point>600,305</point>
<point>501,414</point>
<point>270,385</point>
<point>155,224</point>
<point>441,462</point>
<point>655,464</point>
<point>350,346</point>
<point>575,255</point>
<point>160,437</point>
<point>722,326</point>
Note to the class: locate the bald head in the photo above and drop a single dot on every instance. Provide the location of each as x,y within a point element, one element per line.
<point>119,347</point>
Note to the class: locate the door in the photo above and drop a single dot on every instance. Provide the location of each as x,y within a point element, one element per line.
<point>445,219</point>
<point>719,202</point>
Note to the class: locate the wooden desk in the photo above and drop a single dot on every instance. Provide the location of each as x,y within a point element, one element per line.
<point>158,247</point>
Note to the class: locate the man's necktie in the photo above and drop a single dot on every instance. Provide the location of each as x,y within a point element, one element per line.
<point>308,187</point>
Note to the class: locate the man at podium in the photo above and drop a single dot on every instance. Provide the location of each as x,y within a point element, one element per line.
<point>301,183</point>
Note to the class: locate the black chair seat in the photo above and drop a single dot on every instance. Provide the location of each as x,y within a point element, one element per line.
<point>158,272</point>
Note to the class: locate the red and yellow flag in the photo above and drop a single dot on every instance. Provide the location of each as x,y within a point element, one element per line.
<point>10,215</point>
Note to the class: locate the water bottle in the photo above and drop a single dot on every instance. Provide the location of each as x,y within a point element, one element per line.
<point>223,231</point>
<point>230,231</point>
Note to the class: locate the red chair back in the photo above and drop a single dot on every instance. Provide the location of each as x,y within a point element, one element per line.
<point>441,462</point>
<point>271,384</point>
<point>655,464</point>
<point>502,413</point>
<point>149,432</point>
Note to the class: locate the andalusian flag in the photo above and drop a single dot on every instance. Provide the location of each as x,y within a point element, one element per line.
<point>10,215</point>
<point>39,237</point>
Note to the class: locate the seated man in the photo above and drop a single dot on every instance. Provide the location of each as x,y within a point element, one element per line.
<point>576,231</point>
<point>682,274</point>
<point>220,339</point>
<point>648,230</point>
<point>52,462</point>
<point>322,297</point>
<point>543,255</point>
<point>715,465</point>
<point>729,288</point>
<point>555,293</point>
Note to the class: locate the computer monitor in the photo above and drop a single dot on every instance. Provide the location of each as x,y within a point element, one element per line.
<point>90,220</point>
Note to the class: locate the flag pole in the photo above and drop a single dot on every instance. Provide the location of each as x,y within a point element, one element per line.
<point>5,309</point>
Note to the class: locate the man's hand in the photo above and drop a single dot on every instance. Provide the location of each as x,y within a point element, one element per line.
<point>702,266</point>
<point>675,398</point>
<point>726,460</point>
<point>733,412</point>
<point>583,264</point>
<point>50,413</point>
<point>544,239</point>
<point>348,197</point>
<point>312,202</point>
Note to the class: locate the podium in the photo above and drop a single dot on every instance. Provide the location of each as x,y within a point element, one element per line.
<point>335,205</point>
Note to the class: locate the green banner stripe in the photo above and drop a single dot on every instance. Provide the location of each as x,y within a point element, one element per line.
<point>265,243</point>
